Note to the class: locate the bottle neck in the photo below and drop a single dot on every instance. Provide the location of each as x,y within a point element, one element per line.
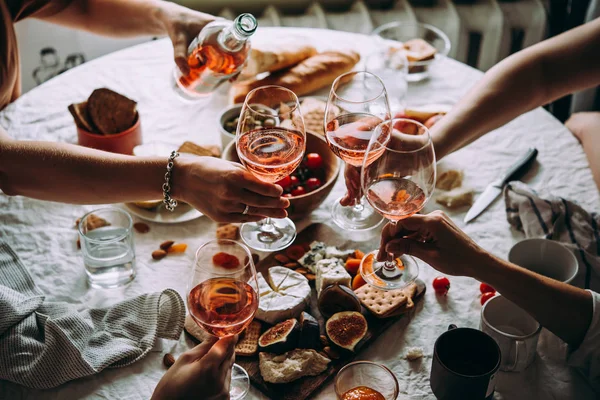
<point>237,34</point>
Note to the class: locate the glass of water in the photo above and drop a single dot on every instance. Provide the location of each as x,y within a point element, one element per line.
<point>107,246</point>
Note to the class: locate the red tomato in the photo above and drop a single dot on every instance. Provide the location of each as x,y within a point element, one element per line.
<point>486,296</point>
<point>314,161</point>
<point>313,183</point>
<point>441,284</point>
<point>299,191</point>
<point>288,195</point>
<point>485,288</point>
<point>294,181</point>
<point>285,183</point>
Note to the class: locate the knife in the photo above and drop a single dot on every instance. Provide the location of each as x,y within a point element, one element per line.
<point>494,189</point>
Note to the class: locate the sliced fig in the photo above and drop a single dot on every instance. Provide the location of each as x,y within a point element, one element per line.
<point>346,329</point>
<point>281,337</point>
<point>337,298</point>
<point>309,332</point>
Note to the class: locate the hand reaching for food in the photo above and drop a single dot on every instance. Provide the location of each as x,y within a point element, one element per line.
<point>221,190</point>
<point>205,369</point>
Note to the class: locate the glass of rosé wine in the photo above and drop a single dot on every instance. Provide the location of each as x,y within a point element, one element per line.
<point>223,296</point>
<point>357,104</point>
<point>398,178</point>
<point>271,151</point>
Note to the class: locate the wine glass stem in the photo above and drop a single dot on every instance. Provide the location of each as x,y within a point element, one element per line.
<point>390,265</point>
<point>359,206</point>
<point>266,225</point>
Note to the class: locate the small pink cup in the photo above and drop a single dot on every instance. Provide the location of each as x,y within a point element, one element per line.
<point>122,143</point>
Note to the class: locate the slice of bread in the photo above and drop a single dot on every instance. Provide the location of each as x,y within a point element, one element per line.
<point>82,119</point>
<point>111,112</point>
<point>292,365</point>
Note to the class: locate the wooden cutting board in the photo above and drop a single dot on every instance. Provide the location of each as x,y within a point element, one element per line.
<point>306,387</point>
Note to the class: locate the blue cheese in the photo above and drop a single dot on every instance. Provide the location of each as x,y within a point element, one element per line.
<point>315,254</point>
<point>329,272</point>
<point>334,252</point>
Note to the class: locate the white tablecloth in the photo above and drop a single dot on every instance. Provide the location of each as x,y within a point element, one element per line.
<point>42,232</point>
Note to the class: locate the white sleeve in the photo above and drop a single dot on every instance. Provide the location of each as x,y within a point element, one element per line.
<point>587,356</point>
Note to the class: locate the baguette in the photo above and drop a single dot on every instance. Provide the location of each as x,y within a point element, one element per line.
<point>274,56</point>
<point>311,74</point>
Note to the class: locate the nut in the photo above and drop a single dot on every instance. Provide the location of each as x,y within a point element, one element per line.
<point>282,258</point>
<point>166,244</point>
<point>334,355</point>
<point>168,360</point>
<point>78,244</point>
<point>302,271</point>
<point>159,254</point>
<point>324,340</point>
<point>310,277</point>
<point>292,265</point>
<point>141,227</point>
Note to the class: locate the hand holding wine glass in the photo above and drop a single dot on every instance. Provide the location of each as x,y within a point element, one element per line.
<point>223,296</point>
<point>398,178</point>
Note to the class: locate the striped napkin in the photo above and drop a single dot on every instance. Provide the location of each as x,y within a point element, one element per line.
<point>44,344</point>
<point>558,219</point>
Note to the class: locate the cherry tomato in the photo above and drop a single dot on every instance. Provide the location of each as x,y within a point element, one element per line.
<point>485,288</point>
<point>314,161</point>
<point>285,183</point>
<point>287,195</point>
<point>441,284</point>
<point>294,181</point>
<point>313,183</point>
<point>486,296</point>
<point>299,191</point>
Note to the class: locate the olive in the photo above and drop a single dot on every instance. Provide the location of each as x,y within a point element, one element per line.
<point>269,122</point>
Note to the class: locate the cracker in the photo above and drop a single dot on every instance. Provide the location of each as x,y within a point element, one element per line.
<point>192,328</point>
<point>381,302</point>
<point>229,231</point>
<point>248,343</point>
<point>193,148</point>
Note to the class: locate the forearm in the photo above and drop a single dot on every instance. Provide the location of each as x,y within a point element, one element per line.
<point>117,17</point>
<point>73,174</point>
<point>561,308</point>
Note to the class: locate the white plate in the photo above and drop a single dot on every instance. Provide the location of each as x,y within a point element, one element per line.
<point>182,213</point>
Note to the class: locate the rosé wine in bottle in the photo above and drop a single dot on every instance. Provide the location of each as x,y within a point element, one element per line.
<point>216,55</point>
<point>223,306</point>
<point>271,154</point>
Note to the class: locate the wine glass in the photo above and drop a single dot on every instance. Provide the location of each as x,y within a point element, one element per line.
<point>270,145</point>
<point>357,104</point>
<point>398,178</point>
<point>223,296</point>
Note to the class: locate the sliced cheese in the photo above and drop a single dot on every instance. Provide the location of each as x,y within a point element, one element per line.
<point>330,271</point>
<point>287,295</point>
<point>263,286</point>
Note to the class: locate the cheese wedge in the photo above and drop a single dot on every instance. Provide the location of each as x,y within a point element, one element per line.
<point>334,252</point>
<point>330,271</point>
<point>316,253</point>
<point>284,296</point>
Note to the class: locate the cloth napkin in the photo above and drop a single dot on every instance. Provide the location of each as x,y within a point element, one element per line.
<point>44,344</point>
<point>558,219</point>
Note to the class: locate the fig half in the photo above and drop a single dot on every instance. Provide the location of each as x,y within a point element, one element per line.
<point>337,298</point>
<point>280,338</point>
<point>346,329</point>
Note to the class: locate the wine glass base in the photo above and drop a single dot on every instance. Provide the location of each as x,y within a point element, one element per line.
<point>274,237</point>
<point>389,275</point>
<point>240,383</point>
<point>351,219</point>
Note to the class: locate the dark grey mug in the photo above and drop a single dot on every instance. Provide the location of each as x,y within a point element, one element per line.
<point>465,365</point>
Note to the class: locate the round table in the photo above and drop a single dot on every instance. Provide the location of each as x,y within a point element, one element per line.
<point>42,233</point>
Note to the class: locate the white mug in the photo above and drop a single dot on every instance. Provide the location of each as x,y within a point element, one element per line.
<point>546,257</point>
<point>515,331</point>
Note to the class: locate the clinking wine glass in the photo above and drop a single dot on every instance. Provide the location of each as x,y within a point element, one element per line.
<point>357,104</point>
<point>223,296</point>
<point>271,146</point>
<point>398,178</point>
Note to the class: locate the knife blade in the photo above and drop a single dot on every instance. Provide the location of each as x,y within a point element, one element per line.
<point>494,189</point>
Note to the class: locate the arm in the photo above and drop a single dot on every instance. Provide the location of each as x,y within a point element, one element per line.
<point>74,174</point>
<point>563,309</point>
<point>526,80</point>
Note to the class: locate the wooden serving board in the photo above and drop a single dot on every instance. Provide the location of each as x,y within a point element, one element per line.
<point>305,387</point>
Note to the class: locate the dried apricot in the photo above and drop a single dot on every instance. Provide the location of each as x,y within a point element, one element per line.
<point>358,281</point>
<point>226,260</point>
<point>282,258</point>
<point>295,252</point>
<point>352,265</point>
<point>359,254</point>
<point>177,248</point>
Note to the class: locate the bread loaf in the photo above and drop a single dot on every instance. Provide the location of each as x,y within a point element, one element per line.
<point>277,54</point>
<point>111,112</point>
<point>311,74</point>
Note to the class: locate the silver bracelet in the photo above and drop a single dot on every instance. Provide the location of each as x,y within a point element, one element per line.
<point>169,202</point>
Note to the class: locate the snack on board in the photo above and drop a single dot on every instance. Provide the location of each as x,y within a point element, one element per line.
<point>384,303</point>
<point>248,344</point>
<point>111,112</point>
<point>331,271</point>
<point>314,73</point>
<point>346,329</point>
<point>292,365</point>
<point>280,338</point>
<point>337,298</point>
<point>277,54</point>
<point>310,333</point>
<point>449,180</point>
<point>285,297</point>
<point>197,150</point>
